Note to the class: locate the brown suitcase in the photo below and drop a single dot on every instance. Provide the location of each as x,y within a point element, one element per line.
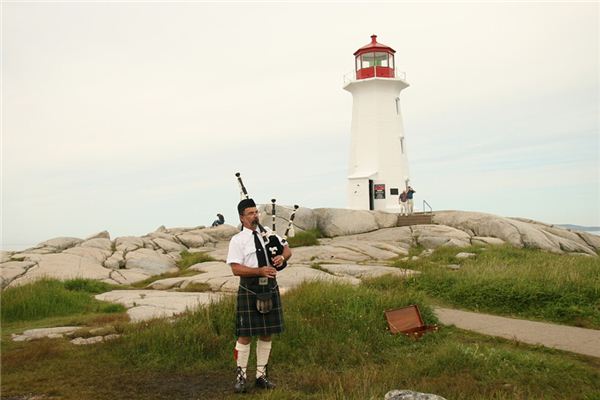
<point>408,320</point>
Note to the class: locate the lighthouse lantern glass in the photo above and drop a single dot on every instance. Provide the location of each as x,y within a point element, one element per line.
<point>368,60</point>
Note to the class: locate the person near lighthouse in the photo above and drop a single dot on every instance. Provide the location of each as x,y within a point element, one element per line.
<point>402,199</point>
<point>409,196</point>
<point>248,260</point>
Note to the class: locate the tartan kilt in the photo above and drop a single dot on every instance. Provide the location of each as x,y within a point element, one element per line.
<point>250,322</point>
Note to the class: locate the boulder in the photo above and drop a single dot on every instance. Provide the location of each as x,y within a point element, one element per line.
<point>410,395</point>
<point>465,255</point>
<point>486,240</point>
<point>192,239</point>
<point>115,261</point>
<point>150,261</point>
<point>98,243</point>
<point>162,235</point>
<point>374,250</point>
<point>517,231</point>
<point>5,256</point>
<point>91,340</point>
<point>99,235</point>
<point>294,275</point>
<point>219,233</point>
<point>216,274</point>
<point>11,270</point>
<point>51,333</point>
<point>127,276</point>
<point>434,236</point>
<point>329,253</point>
<point>168,283</point>
<point>401,236</point>
<point>149,244</point>
<point>148,304</point>
<point>305,218</point>
<point>128,243</point>
<point>169,246</point>
<point>341,222</point>
<point>63,266</point>
<point>592,240</point>
<point>60,243</point>
<point>385,219</point>
<point>93,253</point>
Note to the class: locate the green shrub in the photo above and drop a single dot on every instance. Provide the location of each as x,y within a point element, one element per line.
<point>87,285</point>
<point>306,238</point>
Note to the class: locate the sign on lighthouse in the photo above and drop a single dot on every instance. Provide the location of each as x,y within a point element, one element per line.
<point>378,169</point>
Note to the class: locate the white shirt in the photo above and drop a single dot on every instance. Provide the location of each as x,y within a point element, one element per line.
<point>242,249</point>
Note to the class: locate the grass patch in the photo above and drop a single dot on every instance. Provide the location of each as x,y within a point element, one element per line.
<point>306,238</point>
<point>50,298</point>
<point>520,282</point>
<point>87,286</point>
<point>335,346</point>
<point>188,259</point>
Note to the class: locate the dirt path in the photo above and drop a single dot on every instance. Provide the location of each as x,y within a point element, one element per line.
<point>576,340</point>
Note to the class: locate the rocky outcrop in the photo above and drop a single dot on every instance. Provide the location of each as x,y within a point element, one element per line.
<point>305,218</point>
<point>124,260</point>
<point>354,236</point>
<point>519,232</point>
<point>341,222</point>
<point>148,304</point>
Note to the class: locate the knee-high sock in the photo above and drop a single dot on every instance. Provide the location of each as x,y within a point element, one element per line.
<point>263,349</point>
<point>241,353</point>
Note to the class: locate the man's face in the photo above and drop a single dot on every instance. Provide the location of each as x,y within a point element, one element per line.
<point>250,218</point>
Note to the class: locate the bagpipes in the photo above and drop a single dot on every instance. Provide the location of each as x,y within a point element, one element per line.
<point>273,245</point>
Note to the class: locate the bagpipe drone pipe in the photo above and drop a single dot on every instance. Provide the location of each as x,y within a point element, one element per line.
<point>273,245</point>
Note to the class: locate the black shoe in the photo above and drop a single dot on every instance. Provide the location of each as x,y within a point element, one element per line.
<point>240,381</point>
<point>263,383</point>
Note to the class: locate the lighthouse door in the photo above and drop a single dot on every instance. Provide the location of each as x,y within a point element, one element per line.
<point>371,195</point>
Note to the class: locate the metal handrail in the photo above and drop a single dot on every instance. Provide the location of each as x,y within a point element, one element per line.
<point>430,209</point>
<point>351,76</point>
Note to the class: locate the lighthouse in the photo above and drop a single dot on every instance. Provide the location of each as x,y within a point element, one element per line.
<point>378,165</point>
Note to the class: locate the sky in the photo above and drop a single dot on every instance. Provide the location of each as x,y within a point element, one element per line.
<point>125,116</point>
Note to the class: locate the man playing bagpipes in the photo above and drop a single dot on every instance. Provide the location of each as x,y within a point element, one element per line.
<point>259,311</point>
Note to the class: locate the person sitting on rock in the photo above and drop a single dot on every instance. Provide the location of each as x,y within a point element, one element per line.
<point>219,221</point>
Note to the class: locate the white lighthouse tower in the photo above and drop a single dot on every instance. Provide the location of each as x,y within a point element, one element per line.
<point>378,169</point>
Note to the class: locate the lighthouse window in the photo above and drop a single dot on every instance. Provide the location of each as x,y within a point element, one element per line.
<point>381,59</point>
<point>402,145</point>
<point>368,60</point>
<point>398,105</point>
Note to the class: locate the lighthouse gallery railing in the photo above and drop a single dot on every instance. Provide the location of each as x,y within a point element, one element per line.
<point>351,76</point>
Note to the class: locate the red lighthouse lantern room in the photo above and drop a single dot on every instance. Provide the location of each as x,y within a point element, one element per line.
<point>374,60</point>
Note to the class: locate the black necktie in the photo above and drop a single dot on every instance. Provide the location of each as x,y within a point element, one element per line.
<point>260,252</point>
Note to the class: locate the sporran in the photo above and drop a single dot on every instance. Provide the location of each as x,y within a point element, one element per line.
<point>264,302</point>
